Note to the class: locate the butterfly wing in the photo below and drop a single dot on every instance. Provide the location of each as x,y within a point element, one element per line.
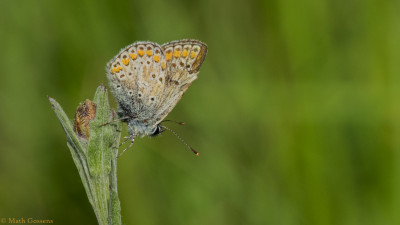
<point>136,78</point>
<point>183,60</point>
<point>148,80</point>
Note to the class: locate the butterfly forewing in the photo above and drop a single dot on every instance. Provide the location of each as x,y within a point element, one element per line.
<point>183,59</point>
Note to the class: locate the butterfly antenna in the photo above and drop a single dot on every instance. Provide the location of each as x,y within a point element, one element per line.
<point>180,123</point>
<point>191,149</point>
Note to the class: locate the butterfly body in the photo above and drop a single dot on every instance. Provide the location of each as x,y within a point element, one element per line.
<point>148,80</point>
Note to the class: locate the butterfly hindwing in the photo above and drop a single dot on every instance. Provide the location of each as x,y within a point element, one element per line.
<point>135,75</point>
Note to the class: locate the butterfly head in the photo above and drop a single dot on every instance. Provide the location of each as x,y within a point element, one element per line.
<point>157,131</point>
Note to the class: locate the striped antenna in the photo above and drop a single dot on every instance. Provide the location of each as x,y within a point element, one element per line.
<point>191,149</point>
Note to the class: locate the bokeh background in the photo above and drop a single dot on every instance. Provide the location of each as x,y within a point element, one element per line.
<point>296,111</point>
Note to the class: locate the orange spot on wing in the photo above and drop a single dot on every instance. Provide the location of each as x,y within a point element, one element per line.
<point>168,56</point>
<point>117,69</point>
<point>157,58</point>
<point>125,61</point>
<point>133,56</point>
<point>141,53</point>
<point>149,53</point>
<point>163,65</point>
<point>193,55</point>
<point>185,53</point>
<point>177,54</point>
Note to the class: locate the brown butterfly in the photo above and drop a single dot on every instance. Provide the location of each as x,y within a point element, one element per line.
<point>148,80</point>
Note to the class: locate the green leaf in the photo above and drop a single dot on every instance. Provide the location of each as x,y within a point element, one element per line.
<point>101,136</point>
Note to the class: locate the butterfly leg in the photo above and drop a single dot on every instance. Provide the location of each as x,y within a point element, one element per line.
<point>114,120</point>
<point>126,139</point>
<point>118,140</point>
<point>130,145</point>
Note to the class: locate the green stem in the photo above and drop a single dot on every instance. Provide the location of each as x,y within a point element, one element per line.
<point>95,156</point>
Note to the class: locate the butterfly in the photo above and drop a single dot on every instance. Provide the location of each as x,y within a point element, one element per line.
<point>148,80</point>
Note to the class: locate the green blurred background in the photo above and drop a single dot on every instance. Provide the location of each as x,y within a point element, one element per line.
<point>295,114</point>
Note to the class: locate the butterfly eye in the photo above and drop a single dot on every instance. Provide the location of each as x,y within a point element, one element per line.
<point>158,130</point>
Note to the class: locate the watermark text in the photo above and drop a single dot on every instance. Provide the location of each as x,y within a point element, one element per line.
<point>21,220</point>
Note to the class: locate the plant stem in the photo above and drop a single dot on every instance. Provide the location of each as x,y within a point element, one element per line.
<point>94,149</point>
